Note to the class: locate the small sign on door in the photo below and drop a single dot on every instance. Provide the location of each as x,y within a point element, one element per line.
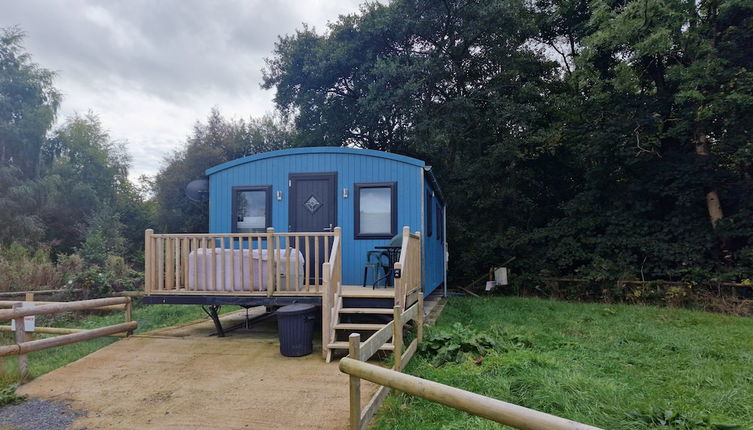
<point>30,322</point>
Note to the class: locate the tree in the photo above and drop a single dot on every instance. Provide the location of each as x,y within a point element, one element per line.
<point>454,83</point>
<point>608,162</point>
<point>28,103</point>
<point>19,220</point>
<point>214,142</point>
<point>82,150</point>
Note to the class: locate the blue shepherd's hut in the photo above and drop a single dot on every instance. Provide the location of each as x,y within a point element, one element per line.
<point>369,194</point>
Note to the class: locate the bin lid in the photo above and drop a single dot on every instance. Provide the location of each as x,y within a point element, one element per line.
<point>295,309</point>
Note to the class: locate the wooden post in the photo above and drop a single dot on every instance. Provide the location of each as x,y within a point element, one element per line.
<point>23,359</point>
<point>420,320</point>
<point>129,313</point>
<point>271,269</point>
<point>338,255</point>
<point>148,265</point>
<point>29,297</point>
<point>355,383</point>
<point>326,310</point>
<point>397,336</point>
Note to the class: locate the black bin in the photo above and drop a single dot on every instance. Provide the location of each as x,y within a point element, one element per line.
<point>295,326</point>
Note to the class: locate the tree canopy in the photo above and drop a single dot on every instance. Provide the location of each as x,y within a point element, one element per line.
<point>606,139</point>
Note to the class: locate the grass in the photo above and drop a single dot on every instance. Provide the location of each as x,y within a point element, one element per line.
<point>41,362</point>
<point>591,363</point>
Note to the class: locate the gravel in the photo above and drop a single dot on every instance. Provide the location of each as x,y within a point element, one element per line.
<point>35,414</point>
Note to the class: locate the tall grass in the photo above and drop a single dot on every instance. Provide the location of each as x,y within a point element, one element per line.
<point>592,363</point>
<point>23,269</point>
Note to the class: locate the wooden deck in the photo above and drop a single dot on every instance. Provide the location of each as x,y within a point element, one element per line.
<point>274,269</point>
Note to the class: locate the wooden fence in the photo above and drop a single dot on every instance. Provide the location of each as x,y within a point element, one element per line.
<point>361,352</point>
<point>67,336</point>
<point>238,264</point>
<point>492,409</point>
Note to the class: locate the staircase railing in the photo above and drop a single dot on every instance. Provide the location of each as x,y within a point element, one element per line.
<point>331,281</point>
<point>363,351</point>
<point>407,271</point>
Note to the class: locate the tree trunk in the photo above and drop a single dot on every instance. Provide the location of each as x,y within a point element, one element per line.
<point>713,204</point>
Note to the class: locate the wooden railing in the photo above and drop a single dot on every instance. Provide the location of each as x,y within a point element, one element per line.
<point>359,419</point>
<point>408,269</point>
<point>492,409</point>
<point>331,284</point>
<point>24,346</point>
<point>237,264</point>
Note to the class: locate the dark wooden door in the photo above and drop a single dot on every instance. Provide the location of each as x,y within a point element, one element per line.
<point>312,207</point>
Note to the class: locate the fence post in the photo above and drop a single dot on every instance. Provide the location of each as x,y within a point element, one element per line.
<point>23,359</point>
<point>397,337</point>
<point>148,264</point>
<point>29,297</point>
<point>354,351</point>
<point>129,314</point>
<point>271,261</point>
<point>326,309</point>
<point>420,317</point>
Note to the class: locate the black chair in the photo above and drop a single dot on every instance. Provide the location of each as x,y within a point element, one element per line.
<point>381,260</point>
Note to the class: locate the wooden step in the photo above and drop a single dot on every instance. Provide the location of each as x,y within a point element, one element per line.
<point>381,311</point>
<point>358,326</point>
<point>344,345</point>
<point>352,291</point>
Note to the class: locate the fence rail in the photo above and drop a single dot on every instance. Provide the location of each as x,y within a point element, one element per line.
<point>67,336</point>
<point>496,410</point>
<point>267,263</point>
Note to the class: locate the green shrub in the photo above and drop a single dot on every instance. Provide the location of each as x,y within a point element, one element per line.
<point>8,396</point>
<point>455,345</point>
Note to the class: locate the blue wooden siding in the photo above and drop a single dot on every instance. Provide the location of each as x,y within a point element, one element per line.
<point>433,247</point>
<point>352,166</point>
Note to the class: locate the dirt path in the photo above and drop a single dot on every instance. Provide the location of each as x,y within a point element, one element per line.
<point>180,378</point>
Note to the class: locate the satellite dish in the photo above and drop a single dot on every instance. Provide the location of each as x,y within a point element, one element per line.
<point>198,190</point>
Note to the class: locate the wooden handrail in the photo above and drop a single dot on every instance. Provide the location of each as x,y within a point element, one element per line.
<point>263,263</point>
<point>331,280</point>
<point>505,413</point>
<point>39,292</point>
<point>9,314</point>
<point>409,266</point>
<point>66,339</point>
<point>10,303</point>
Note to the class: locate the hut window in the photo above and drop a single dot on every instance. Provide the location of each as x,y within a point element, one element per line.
<point>252,209</point>
<point>429,205</point>
<point>440,221</point>
<point>376,210</point>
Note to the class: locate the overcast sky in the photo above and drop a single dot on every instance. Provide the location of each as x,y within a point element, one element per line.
<point>151,68</point>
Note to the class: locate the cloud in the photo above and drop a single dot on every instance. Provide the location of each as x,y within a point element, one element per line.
<point>150,69</point>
